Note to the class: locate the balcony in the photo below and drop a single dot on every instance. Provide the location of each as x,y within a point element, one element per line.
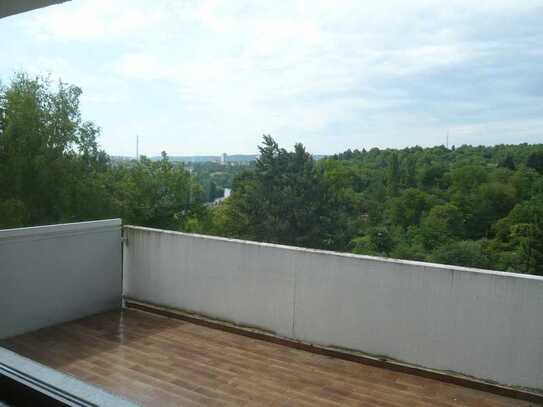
<point>112,315</point>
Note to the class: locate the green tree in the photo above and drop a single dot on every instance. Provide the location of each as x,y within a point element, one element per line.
<point>212,192</point>
<point>535,161</point>
<point>156,193</point>
<point>46,153</point>
<point>408,208</point>
<point>491,202</point>
<point>508,163</point>
<point>469,253</point>
<point>12,213</point>
<point>285,200</point>
<point>467,178</point>
<point>379,241</point>
<point>393,178</point>
<point>444,223</point>
<point>410,178</point>
<point>519,238</point>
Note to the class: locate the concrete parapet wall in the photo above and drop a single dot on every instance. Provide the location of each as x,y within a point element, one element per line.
<point>484,324</point>
<point>53,274</point>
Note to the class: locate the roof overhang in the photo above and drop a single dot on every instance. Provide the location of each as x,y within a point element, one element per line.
<point>10,7</point>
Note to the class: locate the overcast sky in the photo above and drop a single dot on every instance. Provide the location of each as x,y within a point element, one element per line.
<point>206,77</point>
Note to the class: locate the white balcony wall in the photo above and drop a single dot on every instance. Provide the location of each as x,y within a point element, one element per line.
<point>229,280</point>
<point>53,274</point>
<point>484,324</point>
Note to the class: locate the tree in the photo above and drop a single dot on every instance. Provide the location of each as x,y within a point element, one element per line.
<point>491,202</point>
<point>469,253</point>
<point>467,178</point>
<point>393,175</point>
<point>379,241</point>
<point>444,223</point>
<point>52,169</point>
<point>12,213</point>
<point>528,237</point>
<point>519,238</point>
<point>408,208</point>
<point>156,193</point>
<point>212,193</point>
<point>508,163</point>
<point>46,154</point>
<point>410,178</point>
<point>430,175</point>
<point>535,161</point>
<point>527,183</point>
<point>285,200</point>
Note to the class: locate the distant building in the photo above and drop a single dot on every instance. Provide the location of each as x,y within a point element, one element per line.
<point>223,159</point>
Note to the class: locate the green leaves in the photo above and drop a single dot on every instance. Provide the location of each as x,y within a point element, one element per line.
<point>443,224</point>
<point>284,200</point>
<point>46,153</point>
<point>408,208</point>
<point>52,169</point>
<point>472,206</point>
<point>469,253</point>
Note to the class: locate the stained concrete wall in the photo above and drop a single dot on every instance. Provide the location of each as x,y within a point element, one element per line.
<point>225,279</point>
<point>479,323</point>
<point>53,274</point>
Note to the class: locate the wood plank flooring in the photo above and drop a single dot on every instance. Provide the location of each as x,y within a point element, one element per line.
<point>159,361</point>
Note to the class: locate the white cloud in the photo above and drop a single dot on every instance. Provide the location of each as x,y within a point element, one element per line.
<point>293,68</point>
<point>91,20</point>
<point>142,66</point>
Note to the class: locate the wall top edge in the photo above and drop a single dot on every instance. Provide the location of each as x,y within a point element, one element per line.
<point>59,229</point>
<point>421,264</point>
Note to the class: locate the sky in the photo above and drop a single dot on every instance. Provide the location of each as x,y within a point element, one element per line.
<point>211,76</point>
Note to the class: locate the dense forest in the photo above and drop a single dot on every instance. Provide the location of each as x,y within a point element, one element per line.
<point>470,206</point>
<point>473,206</point>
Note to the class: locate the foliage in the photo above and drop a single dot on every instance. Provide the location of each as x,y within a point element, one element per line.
<point>52,170</point>
<point>155,193</point>
<point>462,253</point>
<point>470,206</point>
<point>284,200</point>
<point>215,177</point>
<point>473,206</point>
<point>443,224</point>
<point>46,152</point>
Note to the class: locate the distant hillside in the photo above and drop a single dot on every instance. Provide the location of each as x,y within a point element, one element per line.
<point>206,158</point>
<point>213,158</point>
<point>210,158</point>
<point>194,158</point>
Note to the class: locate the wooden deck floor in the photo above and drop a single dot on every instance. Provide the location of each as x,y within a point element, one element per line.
<point>155,360</point>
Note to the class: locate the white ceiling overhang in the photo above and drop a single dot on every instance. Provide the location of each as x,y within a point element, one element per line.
<point>10,7</point>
